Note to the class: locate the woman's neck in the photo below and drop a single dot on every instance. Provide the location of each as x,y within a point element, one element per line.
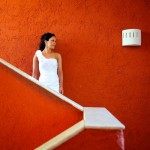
<point>47,50</point>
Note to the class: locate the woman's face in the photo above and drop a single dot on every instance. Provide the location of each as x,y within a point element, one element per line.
<point>51,43</point>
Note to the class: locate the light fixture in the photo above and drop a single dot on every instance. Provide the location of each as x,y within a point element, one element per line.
<point>131,37</point>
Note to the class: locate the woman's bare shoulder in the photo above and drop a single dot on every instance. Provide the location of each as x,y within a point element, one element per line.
<point>57,55</point>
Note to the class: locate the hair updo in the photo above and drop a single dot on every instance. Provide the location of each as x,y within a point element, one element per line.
<point>45,36</point>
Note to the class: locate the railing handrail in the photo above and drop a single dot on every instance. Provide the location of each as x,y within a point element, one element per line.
<point>25,75</point>
<point>63,137</point>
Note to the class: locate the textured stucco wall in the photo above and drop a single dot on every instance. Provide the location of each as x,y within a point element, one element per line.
<point>98,71</point>
<point>93,139</point>
<point>30,116</point>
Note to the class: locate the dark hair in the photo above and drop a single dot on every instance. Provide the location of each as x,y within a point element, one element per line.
<point>45,36</point>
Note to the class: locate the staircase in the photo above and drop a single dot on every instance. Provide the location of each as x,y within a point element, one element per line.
<point>34,117</point>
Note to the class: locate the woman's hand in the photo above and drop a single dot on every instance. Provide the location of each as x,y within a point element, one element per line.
<point>61,90</point>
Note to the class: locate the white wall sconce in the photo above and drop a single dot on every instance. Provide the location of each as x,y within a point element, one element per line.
<point>131,37</point>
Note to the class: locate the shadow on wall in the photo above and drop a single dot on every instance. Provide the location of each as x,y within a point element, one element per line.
<point>145,40</point>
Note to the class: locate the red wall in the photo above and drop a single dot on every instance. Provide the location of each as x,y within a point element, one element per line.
<point>91,139</point>
<point>98,71</point>
<point>29,115</point>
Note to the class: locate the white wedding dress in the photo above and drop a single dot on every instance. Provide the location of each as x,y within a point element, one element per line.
<point>48,71</point>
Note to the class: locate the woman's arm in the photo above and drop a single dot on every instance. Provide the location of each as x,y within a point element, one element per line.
<point>60,73</point>
<point>35,67</point>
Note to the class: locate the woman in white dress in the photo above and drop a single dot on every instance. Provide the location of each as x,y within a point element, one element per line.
<point>48,63</point>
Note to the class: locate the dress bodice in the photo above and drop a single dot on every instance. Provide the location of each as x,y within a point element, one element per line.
<point>48,71</point>
<point>47,66</point>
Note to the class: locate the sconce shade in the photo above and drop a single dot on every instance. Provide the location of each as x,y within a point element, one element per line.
<point>131,37</point>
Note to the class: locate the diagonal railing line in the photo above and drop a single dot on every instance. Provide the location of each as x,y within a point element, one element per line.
<point>25,75</point>
<point>63,137</point>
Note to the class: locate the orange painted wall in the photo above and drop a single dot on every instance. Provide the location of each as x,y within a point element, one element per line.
<point>98,71</point>
<point>30,116</point>
<point>94,139</point>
